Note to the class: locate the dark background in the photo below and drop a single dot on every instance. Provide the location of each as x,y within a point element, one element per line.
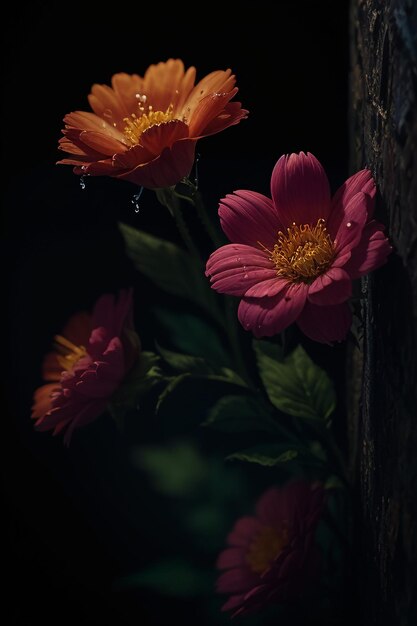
<point>75,519</point>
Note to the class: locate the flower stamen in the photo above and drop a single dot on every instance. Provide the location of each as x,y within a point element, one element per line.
<point>303,252</point>
<point>69,353</point>
<point>266,546</point>
<point>137,124</point>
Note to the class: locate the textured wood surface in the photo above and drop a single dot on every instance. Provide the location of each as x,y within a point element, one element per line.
<point>383,423</point>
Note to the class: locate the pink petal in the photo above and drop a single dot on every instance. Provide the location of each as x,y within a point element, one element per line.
<point>250,218</point>
<point>333,287</point>
<point>236,580</point>
<point>351,227</point>
<point>300,189</point>
<point>234,268</point>
<point>325,324</point>
<point>267,288</point>
<point>371,252</point>
<point>243,531</point>
<point>230,558</point>
<point>269,316</point>
<point>361,181</point>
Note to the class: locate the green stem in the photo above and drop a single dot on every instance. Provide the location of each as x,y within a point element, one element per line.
<point>211,230</point>
<point>170,199</point>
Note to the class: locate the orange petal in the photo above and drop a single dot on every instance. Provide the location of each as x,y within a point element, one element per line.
<point>127,87</point>
<point>161,136</point>
<point>215,82</point>
<point>207,109</point>
<point>165,170</point>
<point>164,83</point>
<point>107,104</point>
<point>232,114</point>
<point>42,400</point>
<point>102,143</point>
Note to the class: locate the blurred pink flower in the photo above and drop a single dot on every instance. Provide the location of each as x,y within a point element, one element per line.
<point>91,358</point>
<point>145,129</point>
<point>293,258</point>
<point>272,556</point>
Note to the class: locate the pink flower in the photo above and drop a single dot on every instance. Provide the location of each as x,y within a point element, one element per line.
<point>293,258</point>
<point>272,556</point>
<point>90,360</point>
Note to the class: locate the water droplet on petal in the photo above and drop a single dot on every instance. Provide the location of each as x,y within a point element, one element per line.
<point>247,325</point>
<point>349,224</point>
<point>108,115</point>
<point>246,276</point>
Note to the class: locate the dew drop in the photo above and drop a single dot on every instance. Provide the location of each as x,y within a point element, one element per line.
<point>82,182</point>
<point>247,325</point>
<point>246,276</point>
<point>349,224</point>
<point>108,114</point>
<point>136,198</point>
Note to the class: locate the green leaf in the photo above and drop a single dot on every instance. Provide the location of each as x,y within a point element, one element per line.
<point>170,267</point>
<point>185,363</point>
<point>268,455</point>
<point>172,577</point>
<point>233,414</point>
<point>296,385</point>
<point>192,335</point>
<point>197,366</point>
<point>175,470</point>
<point>145,375</point>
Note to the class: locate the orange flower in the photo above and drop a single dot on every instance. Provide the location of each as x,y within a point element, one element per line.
<point>145,129</point>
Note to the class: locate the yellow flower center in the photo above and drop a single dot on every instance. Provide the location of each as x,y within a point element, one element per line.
<point>69,353</point>
<point>303,252</point>
<point>266,546</point>
<point>137,124</point>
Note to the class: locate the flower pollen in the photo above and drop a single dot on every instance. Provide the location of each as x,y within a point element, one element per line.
<point>137,124</point>
<point>69,353</point>
<point>303,253</point>
<point>265,547</point>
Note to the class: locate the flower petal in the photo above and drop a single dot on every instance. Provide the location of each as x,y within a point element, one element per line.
<point>333,287</point>
<point>325,324</point>
<point>164,82</point>
<point>236,580</point>
<point>42,402</point>
<point>269,316</point>
<point>267,288</point>
<point>231,115</point>
<point>234,268</point>
<point>233,602</point>
<point>300,189</point>
<point>354,219</point>
<point>361,181</point>
<point>230,558</point>
<point>161,136</point>
<point>371,252</point>
<point>207,110</point>
<point>165,170</point>
<point>249,217</point>
<point>102,143</point>
<point>243,531</point>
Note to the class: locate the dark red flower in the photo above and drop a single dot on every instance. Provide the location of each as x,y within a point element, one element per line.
<point>272,556</point>
<point>90,360</point>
